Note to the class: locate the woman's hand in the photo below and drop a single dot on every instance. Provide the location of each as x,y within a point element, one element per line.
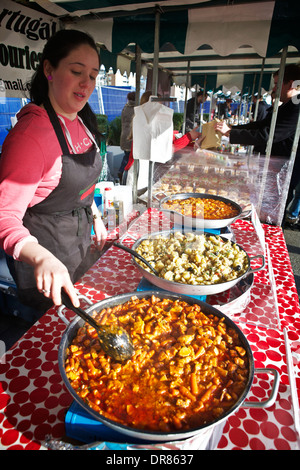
<point>51,274</point>
<point>100,232</point>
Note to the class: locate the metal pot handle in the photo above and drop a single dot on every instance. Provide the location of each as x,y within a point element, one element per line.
<point>273,395</point>
<point>174,213</point>
<point>63,307</point>
<point>242,215</point>
<point>160,192</point>
<point>251,270</point>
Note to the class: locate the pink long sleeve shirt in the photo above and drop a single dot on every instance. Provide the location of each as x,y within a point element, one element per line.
<point>30,168</point>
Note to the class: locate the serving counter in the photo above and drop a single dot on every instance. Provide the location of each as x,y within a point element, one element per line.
<point>34,400</point>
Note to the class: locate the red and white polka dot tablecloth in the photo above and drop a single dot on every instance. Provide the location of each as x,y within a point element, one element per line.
<point>34,400</point>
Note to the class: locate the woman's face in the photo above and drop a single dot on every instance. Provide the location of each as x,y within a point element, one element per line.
<point>73,81</point>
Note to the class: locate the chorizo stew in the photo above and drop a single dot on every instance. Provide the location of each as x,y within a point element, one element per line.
<point>188,368</point>
<point>205,208</point>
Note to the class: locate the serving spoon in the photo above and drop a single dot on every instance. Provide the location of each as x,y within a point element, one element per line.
<point>114,340</point>
<point>136,255</point>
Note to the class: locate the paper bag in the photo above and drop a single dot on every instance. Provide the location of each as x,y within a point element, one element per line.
<point>212,137</point>
<point>152,128</point>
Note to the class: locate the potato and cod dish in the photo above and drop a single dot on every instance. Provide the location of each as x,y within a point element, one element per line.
<point>194,259</point>
<point>188,369</point>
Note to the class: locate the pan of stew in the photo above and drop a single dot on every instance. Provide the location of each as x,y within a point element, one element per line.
<point>192,367</point>
<point>192,263</point>
<point>200,210</point>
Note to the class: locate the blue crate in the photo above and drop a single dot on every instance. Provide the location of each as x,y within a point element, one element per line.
<point>82,426</point>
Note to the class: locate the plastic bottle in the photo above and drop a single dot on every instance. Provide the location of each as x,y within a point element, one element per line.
<point>110,213</point>
<point>98,200</point>
<point>108,199</point>
<point>111,219</point>
<point>118,203</point>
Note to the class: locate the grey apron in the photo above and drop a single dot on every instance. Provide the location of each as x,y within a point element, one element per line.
<point>62,222</point>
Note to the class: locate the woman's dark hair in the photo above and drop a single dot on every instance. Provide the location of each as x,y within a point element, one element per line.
<point>131,96</point>
<point>59,46</point>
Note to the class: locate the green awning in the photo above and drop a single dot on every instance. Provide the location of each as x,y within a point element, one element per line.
<point>284,27</point>
<point>210,37</point>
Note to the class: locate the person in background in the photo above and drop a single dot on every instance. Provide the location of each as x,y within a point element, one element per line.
<point>293,210</point>
<point>224,109</point>
<point>49,167</point>
<point>193,136</point>
<point>257,133</point>
<point>270,108</point>
<point>193,109</point>
<point>145,97</point>
<point>263,107</point>
<point>126,131</point>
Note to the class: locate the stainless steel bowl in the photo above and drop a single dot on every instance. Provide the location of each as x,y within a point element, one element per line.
<point>188,289</point>
<point>151,436</point>
<point>197,222</point>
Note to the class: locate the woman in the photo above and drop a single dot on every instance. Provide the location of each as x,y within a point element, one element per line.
<point>126,130</point>
<point>49,167</point>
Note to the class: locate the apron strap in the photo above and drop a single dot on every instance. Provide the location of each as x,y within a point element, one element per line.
<point>78,213</point>
<point>57,127</point>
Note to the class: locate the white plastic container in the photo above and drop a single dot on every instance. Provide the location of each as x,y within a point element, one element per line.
<point>108,199</point>
<point>104,184</point>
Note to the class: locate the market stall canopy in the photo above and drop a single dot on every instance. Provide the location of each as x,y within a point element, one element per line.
<point>224,27</point>
<point>123,22</point>
<point>210,38</point>
<point>186,24</point>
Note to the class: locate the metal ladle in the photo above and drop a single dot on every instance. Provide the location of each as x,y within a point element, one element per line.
<point>136,255</point>
<point>114,340</point>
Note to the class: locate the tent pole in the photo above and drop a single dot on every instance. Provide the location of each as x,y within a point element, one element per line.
<point>138,68</point>
<point>240,109</point>
<point>154,92</point>
<point>202,104</point>
<point>195,104</point>
<point>156,53</point>
<point>272,127</point>
<point>252,94</point>
<point>259,88</point>
<point>257,101</point>
<point>210,105</point>
<point>185,98</point>
<point>246,105</point>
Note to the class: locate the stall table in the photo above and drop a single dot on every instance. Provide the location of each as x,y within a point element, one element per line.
<point>34,399</point>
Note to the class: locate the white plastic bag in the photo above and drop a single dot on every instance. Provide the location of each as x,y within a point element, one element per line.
<point>153,132</point>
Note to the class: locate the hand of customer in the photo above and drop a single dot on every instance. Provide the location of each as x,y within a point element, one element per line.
<point>222,127</point>
<point>195,134</point>
<point>198,142</point>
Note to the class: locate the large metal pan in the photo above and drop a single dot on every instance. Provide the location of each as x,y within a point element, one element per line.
<point>189,289</point>
<point>196,222</point>
<point>71,331</point>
